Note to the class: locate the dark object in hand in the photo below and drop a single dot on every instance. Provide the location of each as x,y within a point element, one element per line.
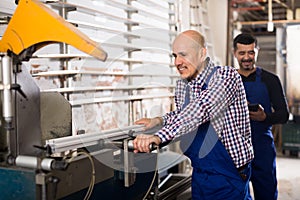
<point>253,107</point>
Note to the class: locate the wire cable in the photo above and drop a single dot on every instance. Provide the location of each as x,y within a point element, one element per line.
<point>92,182</point>
<point>154,176</point>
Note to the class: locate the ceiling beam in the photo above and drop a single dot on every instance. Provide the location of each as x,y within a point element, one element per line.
<point>295,21</point>
<point>282,4</point>
<point>250,8</point>
<point>245,1</point>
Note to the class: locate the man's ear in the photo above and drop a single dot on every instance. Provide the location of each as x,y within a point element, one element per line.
<point>203,53</point>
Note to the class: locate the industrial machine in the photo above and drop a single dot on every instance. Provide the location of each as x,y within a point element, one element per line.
<point>39,157</point>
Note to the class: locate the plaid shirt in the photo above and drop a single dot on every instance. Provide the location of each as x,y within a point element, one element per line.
<point>223,103</point>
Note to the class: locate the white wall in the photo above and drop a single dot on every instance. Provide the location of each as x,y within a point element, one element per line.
<point>293,60</point>
<point>148,42</point>
<point>217,11</point>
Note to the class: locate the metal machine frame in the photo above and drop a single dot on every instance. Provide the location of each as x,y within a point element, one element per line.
<point>68,167</point>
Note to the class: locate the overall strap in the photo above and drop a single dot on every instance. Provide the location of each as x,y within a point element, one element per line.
<point>258,74</point>
<point>209,77</point>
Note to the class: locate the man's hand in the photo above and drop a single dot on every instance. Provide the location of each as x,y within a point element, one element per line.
<point>149,122</point>
<point>142,142</point>
<point>259,115</point>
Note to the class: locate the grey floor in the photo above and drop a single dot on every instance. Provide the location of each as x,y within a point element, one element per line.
<point>288,175</point>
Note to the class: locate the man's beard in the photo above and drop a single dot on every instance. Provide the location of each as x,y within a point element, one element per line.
<point>247,67</point>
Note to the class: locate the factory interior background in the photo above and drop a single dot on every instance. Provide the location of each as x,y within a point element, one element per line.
<point>68,96</point>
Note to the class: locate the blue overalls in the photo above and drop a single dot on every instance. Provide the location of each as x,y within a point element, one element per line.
<point>263,177</point>
<point>214,173</point>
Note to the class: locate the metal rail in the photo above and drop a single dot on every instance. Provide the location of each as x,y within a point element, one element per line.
<point>63,144</point>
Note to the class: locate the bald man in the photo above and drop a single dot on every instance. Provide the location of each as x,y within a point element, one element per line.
<point>211,121</point>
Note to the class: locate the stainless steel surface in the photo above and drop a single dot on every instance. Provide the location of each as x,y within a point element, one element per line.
<point>27,131</point>
<point>24,113</point>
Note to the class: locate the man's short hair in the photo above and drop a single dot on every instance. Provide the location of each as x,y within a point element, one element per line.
<point>244,38</point>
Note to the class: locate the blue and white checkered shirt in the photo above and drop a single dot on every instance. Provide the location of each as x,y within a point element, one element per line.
<point>223,103</point>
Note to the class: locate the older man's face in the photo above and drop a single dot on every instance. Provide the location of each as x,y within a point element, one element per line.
<point>187,57</point>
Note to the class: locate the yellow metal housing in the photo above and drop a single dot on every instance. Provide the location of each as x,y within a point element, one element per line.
<point>35,24</point>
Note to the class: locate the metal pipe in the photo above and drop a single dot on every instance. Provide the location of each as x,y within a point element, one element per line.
<point>7,107</point>
<point>270,25</point>
<point>34,162</point>
<point>165,180</point>
<point>270,15</point>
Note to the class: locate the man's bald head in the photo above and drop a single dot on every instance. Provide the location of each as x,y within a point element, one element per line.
<point>195,38</point>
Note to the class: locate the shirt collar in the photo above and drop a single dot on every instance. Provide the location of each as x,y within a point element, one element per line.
<point>201,77</point>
